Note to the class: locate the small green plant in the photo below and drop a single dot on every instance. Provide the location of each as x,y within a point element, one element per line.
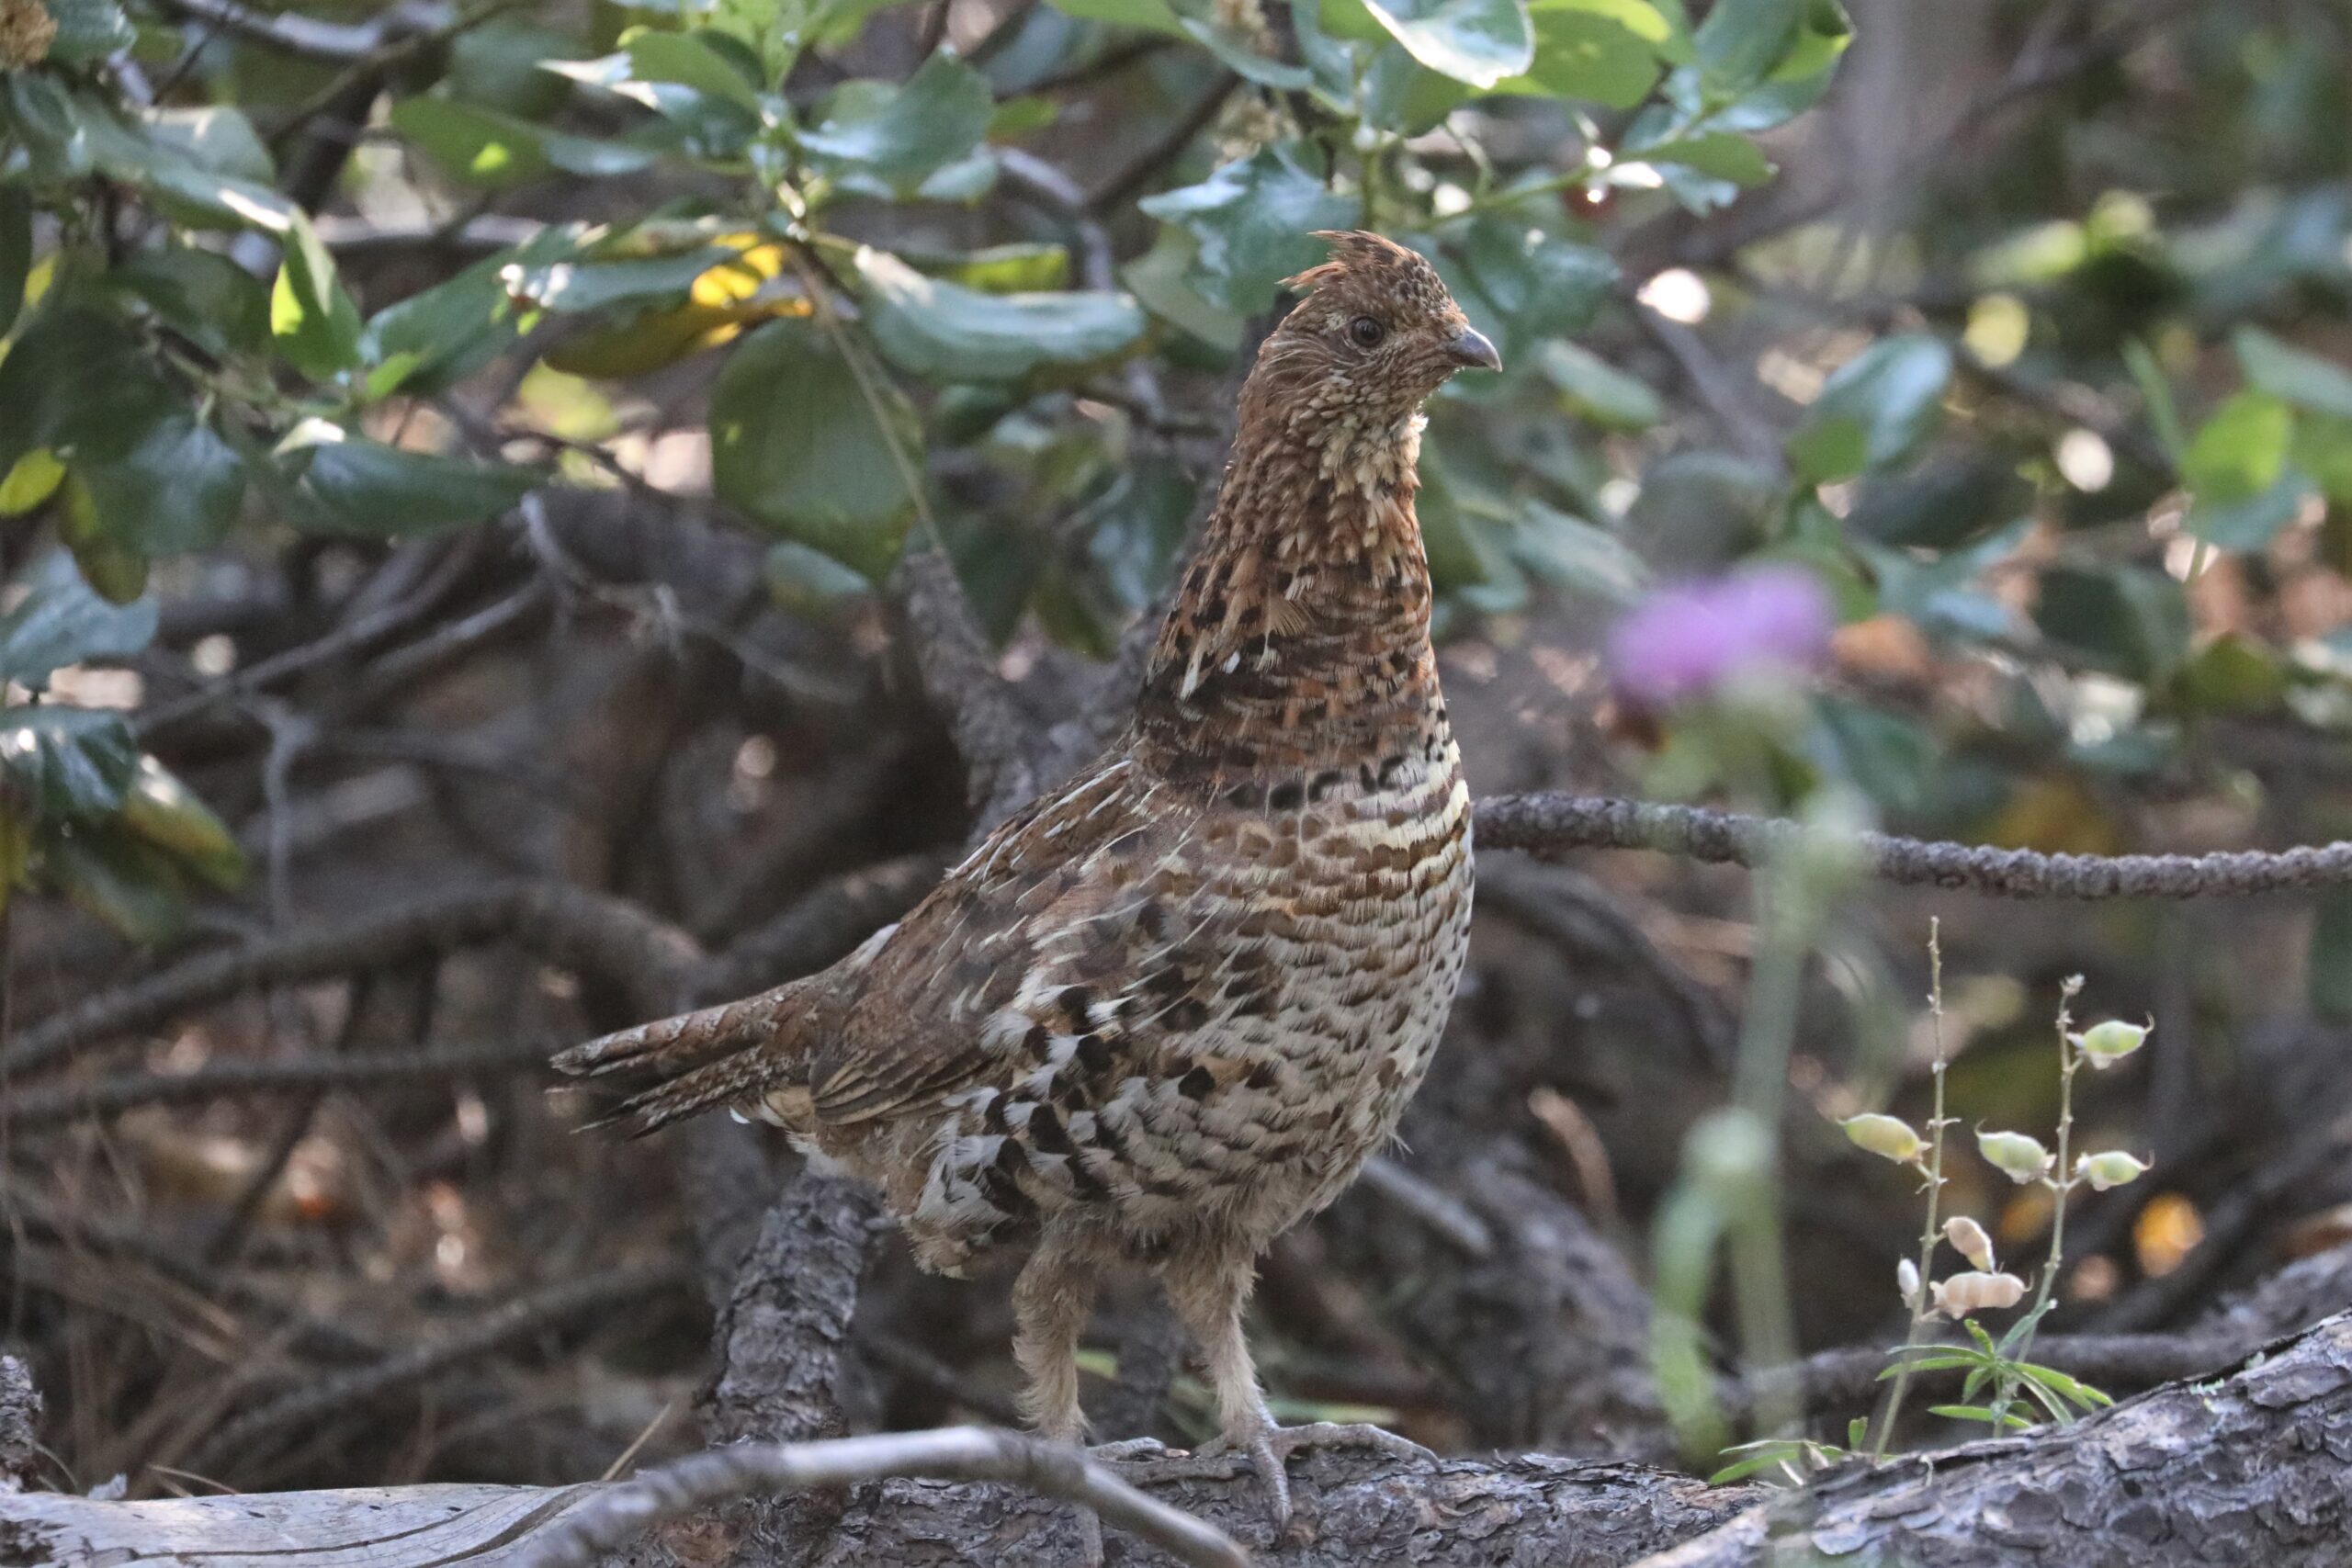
<point>2004,1388</point>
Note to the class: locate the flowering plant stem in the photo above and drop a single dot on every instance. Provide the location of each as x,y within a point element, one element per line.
<point>1934,1171</point>
<point>2017,1343</point>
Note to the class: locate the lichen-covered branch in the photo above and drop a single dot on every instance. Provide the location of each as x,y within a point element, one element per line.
<point>1551,823</point>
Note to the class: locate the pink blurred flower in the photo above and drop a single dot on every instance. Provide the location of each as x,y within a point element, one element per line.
<point>1689,640</point>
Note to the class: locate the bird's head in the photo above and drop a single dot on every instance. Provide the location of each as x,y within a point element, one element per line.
<point>1375,334</point>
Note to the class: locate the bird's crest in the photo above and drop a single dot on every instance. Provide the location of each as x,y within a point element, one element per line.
<point>1378,264</point>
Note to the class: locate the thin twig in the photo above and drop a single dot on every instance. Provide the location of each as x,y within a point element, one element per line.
<point>224,1080</point>
<point>613,1518</point>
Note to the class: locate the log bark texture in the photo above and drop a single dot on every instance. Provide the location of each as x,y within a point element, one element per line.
<point>2252,1468</point>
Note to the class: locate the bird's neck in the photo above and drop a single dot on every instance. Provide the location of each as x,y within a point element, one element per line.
<point>1300,635</point>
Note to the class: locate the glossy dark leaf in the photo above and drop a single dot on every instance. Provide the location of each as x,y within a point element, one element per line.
<point>349,484</point>
<point>312,318</point>
<point>947,332</point>
<point>1602,51</point>
<point>120,879</point>
<point>1537,285</point>
<point>803,444</point>
<point>1253,222</point>
<point>1479,43</point>
<point>176,491</point>
<point>61,622</point>
<point>2292,376</point>
<point>899,135</point>
<point>16,252</point>
<point>78,382</point>
<point>1875,410</point>
<point>2126,620</point>
<point>70,763</point>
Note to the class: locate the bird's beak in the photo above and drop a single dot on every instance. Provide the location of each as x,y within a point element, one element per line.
<point>1470,347</point>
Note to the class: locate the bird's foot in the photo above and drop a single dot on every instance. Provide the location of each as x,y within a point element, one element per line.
<point>1267,1451</point>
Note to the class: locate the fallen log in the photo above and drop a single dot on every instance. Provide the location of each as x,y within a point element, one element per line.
<point>2252,1466</point>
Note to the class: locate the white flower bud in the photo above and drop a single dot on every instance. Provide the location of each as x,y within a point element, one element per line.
<point>2015,1155</point>
<point>2112,1168</point>
<point>1974,1292</point>
<point>2105,1045</point>
<point>1906,1282</point>
<point>1968,1239</point>
<point>1889,1137</point>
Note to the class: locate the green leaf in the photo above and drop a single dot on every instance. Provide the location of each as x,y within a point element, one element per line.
<point>1572,554</point>
<point>1150,15</point>
<point>803,445</point>
<point>33,480</point>
<point>168,815</point>
<point>896,136</point>
<point>495,150</point>
<point>947,332</point>
<point>689,62</point>
<point>810,582</point>
<point>1537,285</point>
<point>1007,269</point>
<point>1875,410</point>
<point>77,382</point>
<point>176,491</point>
<point>448,332</point>
<point>1477,42</point>
<point>1596,391</point>
<point>500,64</point>
<point>1602,51</point>
<point>2240,451</point>
<point>200,294</point>
<point>2329,965</point>
<point>314,322</point>
<point>2290,375</point>
<point>2251,524</point>
<point>1943,505</point>
<point>348,484</point>
<point>71,762</point>
<point>2237,472</point>
<point>214,137</point>
<point>2059,1383</point>
<point>163,162</point>
<point>1719,154</point>
<point>2126,620</point>
<point>87,31</point>
<point>2009,1419</point>
<point>598,284</point>
<point>61,622</point>
<point>1742,41</point>
<point>113,567</point>
<point>16,252</point>
<point>117,879</point>
<point>1253,221</point>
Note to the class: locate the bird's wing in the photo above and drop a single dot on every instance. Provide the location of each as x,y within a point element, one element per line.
<point>1030,931</point>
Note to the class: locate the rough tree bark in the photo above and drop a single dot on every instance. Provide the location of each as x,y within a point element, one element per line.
<point>2251,1468</point>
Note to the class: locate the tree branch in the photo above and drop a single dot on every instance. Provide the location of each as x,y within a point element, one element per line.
<point>957,1453</point>
<point>1549,823</point>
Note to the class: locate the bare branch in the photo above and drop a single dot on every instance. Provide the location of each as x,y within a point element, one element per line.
<point>1548,823</point>
<point>222,1080</point>
<point>955,1453</point>
<point>560,922</point>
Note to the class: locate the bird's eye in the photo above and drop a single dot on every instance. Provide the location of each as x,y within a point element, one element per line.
<point>1365,332</point>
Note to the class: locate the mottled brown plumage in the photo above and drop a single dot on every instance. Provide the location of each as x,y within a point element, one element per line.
<point>1170,1009</point>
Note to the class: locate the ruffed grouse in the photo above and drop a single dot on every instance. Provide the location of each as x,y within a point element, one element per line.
<point>1167,1011</point>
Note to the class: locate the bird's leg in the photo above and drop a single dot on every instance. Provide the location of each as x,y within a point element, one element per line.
<point>1051,1302</point>
<point>1209,1296</point>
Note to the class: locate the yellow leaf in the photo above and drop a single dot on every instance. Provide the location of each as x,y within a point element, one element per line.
<point>34,479</point>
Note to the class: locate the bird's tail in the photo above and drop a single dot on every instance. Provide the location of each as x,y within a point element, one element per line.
<point>681,1065</point>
